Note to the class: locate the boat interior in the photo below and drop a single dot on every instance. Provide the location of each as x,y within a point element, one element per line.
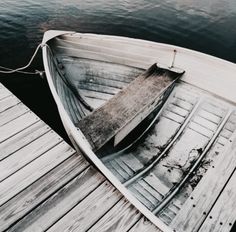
<point>171,159</point>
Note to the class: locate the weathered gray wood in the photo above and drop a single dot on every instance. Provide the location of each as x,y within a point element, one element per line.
<point>12,113</point>
<point>119,169</point>
<point>127,109</point>
<point>153,181</point>
<point>86,213</point>
<point>120,218</point>
<point>22,138</point>
<point>40,190</point>
<point>33,171</point>
<point>42,180</point>
<point>8,102</point>
<point>173,117</point>
<point>177,110</point>
<point>132,162</point>
<point>222,215</point>
<point>93,68</point>
<point>193,212</point>
<point>151,190</point>
<point>200,129</point>
<point>144,192</point>
<point>17,125</point>
<point>61,202</point>
<point>4,93</point>
<point>141,197</point>
<point>209,116</point>
<point>143,225</point>
<point>28,153</point>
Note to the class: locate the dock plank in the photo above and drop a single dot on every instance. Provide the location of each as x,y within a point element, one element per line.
<point>122,113</point>
<point>222,215</point>
<point>22,139</point>
<point>8,102</point>
<point>36,193</point>
<point>198,205</point>
<point>17,125</point>
<point>145,226</point>
<point>30,173</point>
<point>4,93</point>
<point>12,113</point>
<point>28,154</point>
<point>56,206</point>
<point>93,207</point>
<point>120,218</point>
<point>44,182</point>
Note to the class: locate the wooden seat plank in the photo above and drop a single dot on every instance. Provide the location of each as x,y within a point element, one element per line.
<point>122,113</point>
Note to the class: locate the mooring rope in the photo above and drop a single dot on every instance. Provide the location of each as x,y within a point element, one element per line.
<point>19,70</point>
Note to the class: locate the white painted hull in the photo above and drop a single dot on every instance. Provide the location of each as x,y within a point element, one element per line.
<point>194,121</point>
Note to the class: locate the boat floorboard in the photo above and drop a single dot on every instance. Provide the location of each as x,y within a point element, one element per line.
<point>46,185</point>
<point>206,128</point>
<point>209,210</point>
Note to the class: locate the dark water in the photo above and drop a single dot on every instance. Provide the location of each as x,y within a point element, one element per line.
<point>208,26</point>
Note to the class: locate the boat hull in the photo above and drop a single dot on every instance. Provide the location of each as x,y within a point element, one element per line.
<point>159,171</point>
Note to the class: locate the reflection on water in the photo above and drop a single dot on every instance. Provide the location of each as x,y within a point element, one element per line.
<point>206,25</point>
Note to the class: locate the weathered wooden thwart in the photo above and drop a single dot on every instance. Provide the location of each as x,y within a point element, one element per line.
<point>46,186</point>
<point>122,113</point>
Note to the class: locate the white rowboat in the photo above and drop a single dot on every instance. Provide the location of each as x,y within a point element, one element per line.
<point>157,120</point>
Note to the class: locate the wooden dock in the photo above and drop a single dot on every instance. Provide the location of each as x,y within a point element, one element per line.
<point>46,186</point>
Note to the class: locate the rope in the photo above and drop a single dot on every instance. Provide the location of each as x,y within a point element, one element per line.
<point>9,70</point>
